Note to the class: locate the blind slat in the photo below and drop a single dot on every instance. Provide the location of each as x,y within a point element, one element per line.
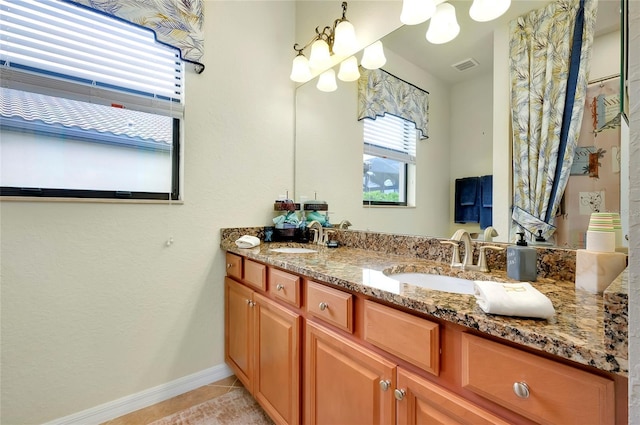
<point>48,41</point>
<point>390,137</point>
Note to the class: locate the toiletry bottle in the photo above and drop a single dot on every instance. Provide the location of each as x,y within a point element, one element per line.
<point>522,261</point>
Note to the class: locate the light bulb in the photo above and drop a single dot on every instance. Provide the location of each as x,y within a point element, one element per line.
<point>349,69</point>
<point>443,26</point>
<point>417,11</point>
<point>327,81</point>
<point>488,10</point>
<point>320,57</point>
<point>345,42</point>
<point>300,71</point>
<point>373,56</point>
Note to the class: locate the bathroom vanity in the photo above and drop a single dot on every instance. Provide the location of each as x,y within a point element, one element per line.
<point>327,337</point>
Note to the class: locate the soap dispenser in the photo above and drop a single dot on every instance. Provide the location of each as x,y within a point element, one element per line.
<point>522,261</point>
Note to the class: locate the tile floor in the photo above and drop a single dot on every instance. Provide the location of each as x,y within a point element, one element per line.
<point>178,403</point>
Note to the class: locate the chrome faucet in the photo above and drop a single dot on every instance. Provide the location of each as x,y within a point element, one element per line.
<point>467,263</point>
<point>317,230</point>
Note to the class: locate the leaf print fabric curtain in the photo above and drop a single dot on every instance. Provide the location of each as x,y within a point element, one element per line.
<point>380,92</point>
<point>177,23</point>
<point>549,61</point>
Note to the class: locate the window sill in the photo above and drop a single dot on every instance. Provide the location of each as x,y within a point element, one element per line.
<point>90,200</point>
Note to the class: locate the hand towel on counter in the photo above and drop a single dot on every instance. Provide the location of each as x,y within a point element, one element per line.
<point>512,299</point>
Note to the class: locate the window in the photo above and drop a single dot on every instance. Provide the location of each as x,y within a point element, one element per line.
<point>388,160</point>
<point>90,106</point>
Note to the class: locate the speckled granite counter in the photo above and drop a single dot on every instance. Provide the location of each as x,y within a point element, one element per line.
<point>577,332</point>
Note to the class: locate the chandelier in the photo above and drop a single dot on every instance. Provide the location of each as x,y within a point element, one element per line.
<point>339,40</point>
<point>444,25</point>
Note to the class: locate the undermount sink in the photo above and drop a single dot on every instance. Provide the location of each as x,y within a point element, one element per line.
<point>293,250</point>
<point>435,282</point>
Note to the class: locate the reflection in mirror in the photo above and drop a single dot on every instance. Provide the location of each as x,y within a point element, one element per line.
<point>461,143</point>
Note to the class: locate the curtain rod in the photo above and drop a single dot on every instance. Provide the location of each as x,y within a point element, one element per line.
<point>600,80</point>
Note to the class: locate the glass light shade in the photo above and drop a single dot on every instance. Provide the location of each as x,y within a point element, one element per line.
<point>488,10</point>
<point>300,71</point>
<point>349,69</point>
<point>417,11</point>
<point>320,57</point>
<point>345,42</point>
<point>443,26</point>
<point>327,81</point>
<point>373,56</point>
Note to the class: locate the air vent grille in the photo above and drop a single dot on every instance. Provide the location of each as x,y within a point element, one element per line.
<point>465,64</point>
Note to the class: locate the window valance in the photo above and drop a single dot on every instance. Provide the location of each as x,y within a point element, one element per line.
<point>382,93</point>
<point>175,22</point>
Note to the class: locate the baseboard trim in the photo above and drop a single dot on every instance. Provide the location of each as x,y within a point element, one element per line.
<point>131,403</point>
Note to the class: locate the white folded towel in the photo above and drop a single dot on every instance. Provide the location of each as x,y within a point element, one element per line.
<point>247,241</point>
<point>512,299</point>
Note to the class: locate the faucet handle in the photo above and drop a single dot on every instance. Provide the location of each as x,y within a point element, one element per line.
<point>455,256</point>
<point>482,258</point>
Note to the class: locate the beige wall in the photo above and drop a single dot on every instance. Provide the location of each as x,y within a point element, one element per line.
<point>94,305</point>
<point>634,214</point>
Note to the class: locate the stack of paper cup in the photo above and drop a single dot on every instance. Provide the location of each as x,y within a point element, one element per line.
<point>601,236</point>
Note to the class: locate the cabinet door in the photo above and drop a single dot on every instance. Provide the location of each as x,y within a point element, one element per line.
<point>238,331</point>
<point>343,381</point>
<point>277,358</point>
<point>423,402</point>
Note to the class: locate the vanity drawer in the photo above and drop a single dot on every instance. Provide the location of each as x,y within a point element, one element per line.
<point>331,305</point>
<point>284,286</point>
<point>538,388</point>
<point>255,274</point>
<point>409,337</point>
<point>234,266</point>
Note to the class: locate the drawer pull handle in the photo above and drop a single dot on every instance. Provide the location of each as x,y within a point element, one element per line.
<point>399,394</point>
<point>323,306</point>
<point>385,384</point>
<point>521,389</point>
<point>279,287</point>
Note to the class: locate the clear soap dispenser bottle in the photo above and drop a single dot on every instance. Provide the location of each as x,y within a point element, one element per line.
<point>522,261</point>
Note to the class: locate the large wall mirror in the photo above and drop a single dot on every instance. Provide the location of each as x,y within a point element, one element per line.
<point>462,133</point>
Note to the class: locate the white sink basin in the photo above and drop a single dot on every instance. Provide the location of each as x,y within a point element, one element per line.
<point>293,250</point>
<point>435,282</point>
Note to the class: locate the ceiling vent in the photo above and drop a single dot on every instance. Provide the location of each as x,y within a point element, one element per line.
<point>465,64</point>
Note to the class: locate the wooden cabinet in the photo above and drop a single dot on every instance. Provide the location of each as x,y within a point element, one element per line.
<point>277,360</point>
<point>344,381</point>
<point>262,347</point>
<point>330,305</point>
<point>423,402</point>
<point>368,363</point>
<point>540,389</point>
<point>409,337</point>
<point>285,286</point>
<point>238,331</point>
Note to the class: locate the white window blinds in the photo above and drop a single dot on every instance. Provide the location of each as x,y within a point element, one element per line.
<point>62,49</point>
<point>390,137</point>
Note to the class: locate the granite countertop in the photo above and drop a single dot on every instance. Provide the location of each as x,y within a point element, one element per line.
<point>577,332</point>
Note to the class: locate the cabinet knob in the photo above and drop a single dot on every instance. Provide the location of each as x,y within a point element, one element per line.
<point>229,265</point>
<point>250,303</point>
<point>279,287</point>
<point>385,384</point>
<point>521,389</point>
<point>323,306</point>
<point>399,394</point>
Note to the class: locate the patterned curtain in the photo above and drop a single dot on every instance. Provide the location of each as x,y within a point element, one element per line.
<point>549,61</point>
<point>380,92</point>
<point>177,23</point>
